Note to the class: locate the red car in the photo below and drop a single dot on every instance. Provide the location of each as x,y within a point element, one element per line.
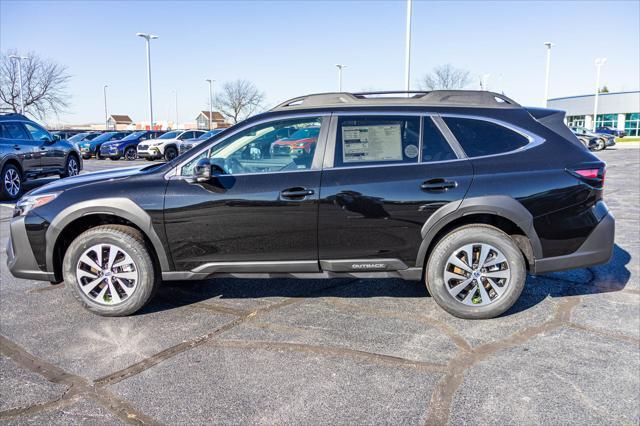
<point>299,142</point>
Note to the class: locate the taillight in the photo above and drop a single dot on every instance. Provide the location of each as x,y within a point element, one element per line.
<point>593,176</point>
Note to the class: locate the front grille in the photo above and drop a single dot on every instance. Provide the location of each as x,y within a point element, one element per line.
<point>143,147</point>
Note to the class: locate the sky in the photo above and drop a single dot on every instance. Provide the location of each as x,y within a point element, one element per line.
<point>290,48</point>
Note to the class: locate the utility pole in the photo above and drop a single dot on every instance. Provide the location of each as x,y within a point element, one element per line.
<point>407,50</point>
<point>19,59</point>
<point>106,116</point>
<point>210,102</point>
<point>599,63</point>
<point>148,38</point>
<point>546,79</point>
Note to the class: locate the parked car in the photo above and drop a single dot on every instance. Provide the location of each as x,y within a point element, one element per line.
<point>65,134</point>
<point>601,140</point>
<point>127,146</point>
<point>590,143</point>
<point>166,146</point>
<point>28,151</point>
<point>187,144</point>
<point>91,147</point>
<point>611,131</point>
<point>302,140</point>
<point>466,191</point>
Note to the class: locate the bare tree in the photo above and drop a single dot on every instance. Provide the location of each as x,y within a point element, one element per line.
<point>445,77</point>
<point>238,100</point>
<point>44,84</point>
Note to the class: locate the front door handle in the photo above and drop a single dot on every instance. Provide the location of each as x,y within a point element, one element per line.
<point>296,193</point>
<point>16,146</point>
<point>438,184</point>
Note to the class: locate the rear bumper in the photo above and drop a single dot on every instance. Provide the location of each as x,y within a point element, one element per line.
<point>596,249</point>
<point>20,258</point>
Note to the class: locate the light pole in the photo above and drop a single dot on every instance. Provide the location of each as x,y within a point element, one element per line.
<point>176,93</point>
<point>340,68</point>
<point>210,101</point>
<point>546,79</point>
<point>106,117</point>
<point>407,49</point>
<point>19,59</point>
<point>148,38</point>
<point>599,63</point>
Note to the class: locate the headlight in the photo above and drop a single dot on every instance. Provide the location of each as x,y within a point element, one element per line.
<point>300,145</point>
<point>31,202</point>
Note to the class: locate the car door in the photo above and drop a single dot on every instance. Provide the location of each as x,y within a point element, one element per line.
<point>26,149</point>
<point>260,215</point>
<point>52,155</point>
<point>384,175</point>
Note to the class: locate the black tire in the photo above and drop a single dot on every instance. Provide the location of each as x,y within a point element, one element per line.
<point>170,153</point>
<point>130,153</point>
<point>124,238</point>
<point>86,157</point>
<point>69,164</point>
<point>475,234</point>
<point>9,178</point>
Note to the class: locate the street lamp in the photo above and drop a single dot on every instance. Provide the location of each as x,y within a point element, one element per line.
<point>210,101</point>
<point>340,68</point>
<point>599,63</point>
<point>106,117</point>
<point>148,38</point>
<point>546,80</point>
<point>19,59</point>
<point>407,49</point>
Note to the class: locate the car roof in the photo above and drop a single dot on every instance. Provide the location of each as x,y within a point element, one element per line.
<point>448,98</point>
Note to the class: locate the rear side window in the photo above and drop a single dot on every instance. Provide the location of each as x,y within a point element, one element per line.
<point>14,131</point>
<point>377,140</point>
<point>434,146</point>
<point>479,137</point>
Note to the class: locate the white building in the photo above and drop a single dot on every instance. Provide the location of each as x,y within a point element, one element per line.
<point>619,110</point>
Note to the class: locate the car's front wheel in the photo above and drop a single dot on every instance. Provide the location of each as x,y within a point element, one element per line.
<point>71,167</point>
<point>110,271</point>
<point>600,144</point>
<point>130,154</point>
<point>170,153</point>
<point>476,272</point>
<point>11,182</point>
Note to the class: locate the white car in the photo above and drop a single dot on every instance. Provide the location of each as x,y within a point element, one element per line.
<point>166,146</point>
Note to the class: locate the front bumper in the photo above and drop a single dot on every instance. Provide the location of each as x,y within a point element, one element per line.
<point>151,152</point>
<point>20,258</point>
<point>596,249</point>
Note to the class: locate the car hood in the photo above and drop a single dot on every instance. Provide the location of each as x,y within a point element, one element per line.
<point>87,178</point>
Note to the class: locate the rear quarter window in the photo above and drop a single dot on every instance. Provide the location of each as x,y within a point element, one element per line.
<point>480,137</point>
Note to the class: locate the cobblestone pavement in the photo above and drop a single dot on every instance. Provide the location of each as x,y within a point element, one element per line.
<point>335,351</point>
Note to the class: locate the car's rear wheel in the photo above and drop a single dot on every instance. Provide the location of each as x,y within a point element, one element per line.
<point>71,167</point>
<point>11,182</point>
<point>476,272</point>
<point>600,144</point>
<point>170,153</point>
<point>109,270</point>
<point>130,153</point>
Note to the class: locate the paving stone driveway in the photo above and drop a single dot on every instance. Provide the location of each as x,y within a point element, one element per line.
<point>336,351</point>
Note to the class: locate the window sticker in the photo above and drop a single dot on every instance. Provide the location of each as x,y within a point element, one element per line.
<point>372,143</point>
<point>411,151</point>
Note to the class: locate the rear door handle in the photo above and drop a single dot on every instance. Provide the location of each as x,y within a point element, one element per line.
<point>296,193</point>
<point>438,185</point>
<point>16,146</point>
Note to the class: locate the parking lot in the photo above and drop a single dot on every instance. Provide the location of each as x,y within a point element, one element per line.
<point>232,351</point>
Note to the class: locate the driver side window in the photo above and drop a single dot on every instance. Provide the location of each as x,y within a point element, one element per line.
<point>269,147</point>
<point>37,133</point>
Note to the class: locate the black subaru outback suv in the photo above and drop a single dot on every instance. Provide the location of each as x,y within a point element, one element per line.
<point>467,191</point>
<point>29,151</point>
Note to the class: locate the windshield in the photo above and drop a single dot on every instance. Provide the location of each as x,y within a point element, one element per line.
<point>133,136</point>
<point>170,135</point>
<point>208,134</point>
<point>104,137</point>
<point>78,137</point>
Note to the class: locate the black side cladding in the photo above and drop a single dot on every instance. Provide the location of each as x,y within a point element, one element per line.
<point>553,119</point>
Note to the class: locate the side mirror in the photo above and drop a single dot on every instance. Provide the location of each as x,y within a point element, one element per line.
<point>204,170</point>
<point>47,139</point>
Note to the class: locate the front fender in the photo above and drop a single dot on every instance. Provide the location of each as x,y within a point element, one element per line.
<point>122,207</point>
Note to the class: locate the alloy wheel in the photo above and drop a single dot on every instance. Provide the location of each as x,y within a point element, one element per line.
<point>12,182</point>
<point>476,274</point>
<point>72,167</point>
<point>107,274</point>
<point>130,154</point>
